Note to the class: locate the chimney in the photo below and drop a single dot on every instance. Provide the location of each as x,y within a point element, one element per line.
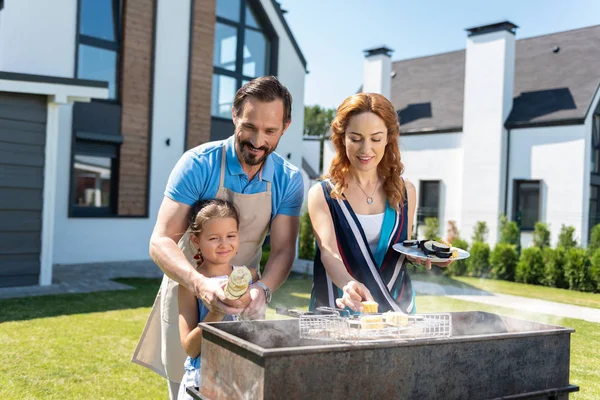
<point>377,70</point>
<point>488,98</point>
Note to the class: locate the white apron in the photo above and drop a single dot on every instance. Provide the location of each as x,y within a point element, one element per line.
<point>160,347</point>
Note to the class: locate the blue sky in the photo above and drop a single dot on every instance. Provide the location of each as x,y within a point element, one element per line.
<point>333,33</point>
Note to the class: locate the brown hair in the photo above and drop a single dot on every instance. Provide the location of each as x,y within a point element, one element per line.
<point>205,210</point>
<point>390,167</point>
<point>266,89</point>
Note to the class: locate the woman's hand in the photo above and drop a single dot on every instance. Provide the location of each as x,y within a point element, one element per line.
<point>427,263</point>
<point>354,293</point>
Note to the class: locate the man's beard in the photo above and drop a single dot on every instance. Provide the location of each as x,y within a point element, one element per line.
<point>249,158</point>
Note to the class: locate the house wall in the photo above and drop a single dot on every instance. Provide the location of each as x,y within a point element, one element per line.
<point>81,240</point>
<point>38,37</point>
<point>291,73</point>
<point>311,151</point>
<point>555,155</point>
<point>436,157</point>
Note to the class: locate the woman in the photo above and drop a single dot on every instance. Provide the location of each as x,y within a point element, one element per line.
<point>361,209</point>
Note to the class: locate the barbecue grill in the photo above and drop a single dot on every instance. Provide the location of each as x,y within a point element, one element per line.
<point>486,356</point>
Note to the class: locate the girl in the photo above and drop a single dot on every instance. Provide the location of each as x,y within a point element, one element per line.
<point>214,235</point>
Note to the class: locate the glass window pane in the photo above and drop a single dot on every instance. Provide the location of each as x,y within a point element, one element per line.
<point>251,19</point>
<point>223,93</point>
<point>429,200</point>
<point>529,203</point>
<point>92,181</point>
<point>255,54</point>
<point>225,46</point>
<point>98,64</point>
<point>229,9</point>
<point>96,19</point>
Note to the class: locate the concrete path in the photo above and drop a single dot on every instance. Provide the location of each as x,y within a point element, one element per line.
<point>509,301</point>
<point>87,278</point>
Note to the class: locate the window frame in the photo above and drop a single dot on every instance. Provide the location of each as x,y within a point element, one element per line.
<point>272,49</point>
<point>420,216</point>
<point>117,5</point>
<point>515,206</point>
<point>595,143</point>
<point>114,140</point>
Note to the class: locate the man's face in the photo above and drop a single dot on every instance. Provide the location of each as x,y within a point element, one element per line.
<point>258,130</point>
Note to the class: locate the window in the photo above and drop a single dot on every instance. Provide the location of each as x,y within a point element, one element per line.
<point>98,44</point>
<point>526,205</point>
<point>429,200</point>
<point>96,125</point>
<point>596,144</point>
<point>242,51</point>
<point>594,207</point>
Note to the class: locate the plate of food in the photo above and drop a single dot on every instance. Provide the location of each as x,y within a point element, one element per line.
<point>437,251</point>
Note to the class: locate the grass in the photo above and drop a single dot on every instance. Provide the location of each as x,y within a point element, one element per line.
<point>573,297</point>
<point>79,345</point>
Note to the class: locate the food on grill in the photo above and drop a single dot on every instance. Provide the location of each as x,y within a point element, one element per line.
<point>238,282</point>
<point>370,307</point>
<point>438,246</point>
<point>371,322</point>
<point>409,243</point>
<point>395,318</point>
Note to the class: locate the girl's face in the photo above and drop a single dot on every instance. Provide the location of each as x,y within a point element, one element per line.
<point>218,241</point>
<point>365,141</point>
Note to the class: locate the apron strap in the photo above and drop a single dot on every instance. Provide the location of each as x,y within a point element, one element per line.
<point>223,166</point>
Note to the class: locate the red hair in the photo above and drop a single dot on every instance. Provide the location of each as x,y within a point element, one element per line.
<point>390,167</point>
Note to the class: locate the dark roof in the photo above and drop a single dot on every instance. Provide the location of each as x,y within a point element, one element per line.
<point>551,87</point>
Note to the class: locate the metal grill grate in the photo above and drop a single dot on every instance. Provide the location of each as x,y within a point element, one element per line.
<point>374,327</point>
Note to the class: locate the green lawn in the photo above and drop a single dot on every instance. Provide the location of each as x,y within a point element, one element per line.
<point>519,289</point>
<point>79,345</point>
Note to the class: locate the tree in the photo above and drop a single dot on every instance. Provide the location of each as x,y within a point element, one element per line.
<point>317,120</point>
<point>541,235</point>
<point>480,232</point>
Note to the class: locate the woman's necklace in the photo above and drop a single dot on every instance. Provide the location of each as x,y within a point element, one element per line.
<point>369,198</point>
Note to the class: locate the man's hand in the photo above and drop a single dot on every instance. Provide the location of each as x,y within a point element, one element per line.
<point>257,309</point>
<point>354,293</point>
<point>210,291</point>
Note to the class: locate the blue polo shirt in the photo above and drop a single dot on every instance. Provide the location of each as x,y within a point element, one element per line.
<point>197,173</point>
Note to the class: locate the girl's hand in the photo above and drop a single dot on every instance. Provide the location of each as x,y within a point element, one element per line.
<point>354,293</point>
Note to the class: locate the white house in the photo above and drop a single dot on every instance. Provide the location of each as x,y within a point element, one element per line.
<point>83,182</point>
<point>505,126</point>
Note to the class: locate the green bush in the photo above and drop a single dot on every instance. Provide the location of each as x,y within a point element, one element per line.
<point>594,243</point>
<point>503,261</point>
<point>480,232</point>
<point>509,231</point>
<point>479,261</point>
<point>307,239</point>
<point>595,269</point>
<point>577,270</point>
<point>266,252</point>
<point>541,235</point>
<point>432,228</point>
<point>554,267</point>
<point>530,268</point>
<point>459,267</point>
<point>566,237</point>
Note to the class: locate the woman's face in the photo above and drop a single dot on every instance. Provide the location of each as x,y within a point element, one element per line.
<point>218,241</point>
<point>365,141</point>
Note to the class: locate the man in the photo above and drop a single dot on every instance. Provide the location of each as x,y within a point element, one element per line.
<point>268,192</point>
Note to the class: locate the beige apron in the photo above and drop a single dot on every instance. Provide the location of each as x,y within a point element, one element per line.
<point>160,347</point>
